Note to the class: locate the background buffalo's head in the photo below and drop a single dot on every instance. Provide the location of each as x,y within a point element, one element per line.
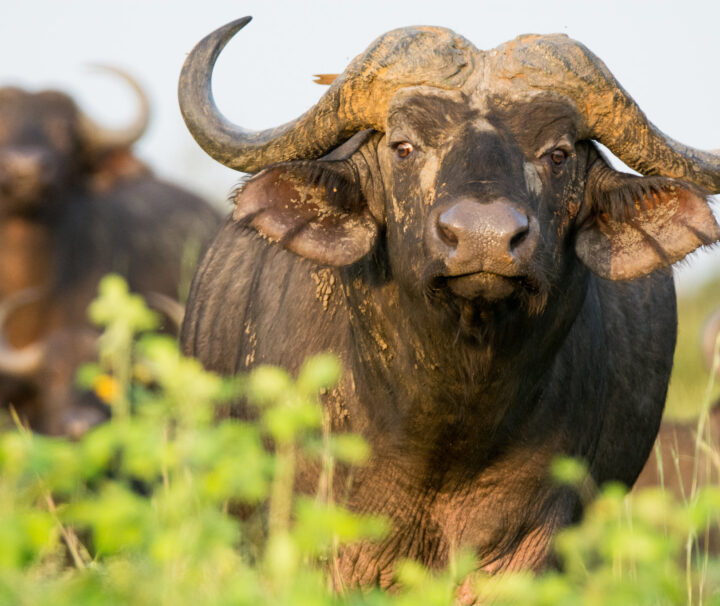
<point>47,144</point>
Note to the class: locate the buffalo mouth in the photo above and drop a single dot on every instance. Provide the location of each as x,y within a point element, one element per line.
<point>21,190</point>
<point>26,192</point>
<point>484,285</point>
<point>485,290</point>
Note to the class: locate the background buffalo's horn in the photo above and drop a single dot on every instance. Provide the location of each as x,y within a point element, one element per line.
<point>97,137</point>
<point>25,361</point>
<point>173,309</point>
<point>559,64</point>
<point>356,100</point>
<point>708,337</point>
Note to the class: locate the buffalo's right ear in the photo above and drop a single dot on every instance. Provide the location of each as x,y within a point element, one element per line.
<point>314,208</point>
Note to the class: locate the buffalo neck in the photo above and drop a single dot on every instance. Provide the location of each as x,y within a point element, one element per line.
<point>425,388</point>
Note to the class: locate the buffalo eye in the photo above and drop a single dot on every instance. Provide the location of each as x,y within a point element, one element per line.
<point>403,149</point>
<point>557,158</point>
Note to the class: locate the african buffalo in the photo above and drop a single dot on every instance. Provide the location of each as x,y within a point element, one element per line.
<point>498,294</point>
<point>75,204</point>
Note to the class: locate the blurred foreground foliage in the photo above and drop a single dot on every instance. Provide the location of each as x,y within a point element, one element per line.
<point>138,511</point>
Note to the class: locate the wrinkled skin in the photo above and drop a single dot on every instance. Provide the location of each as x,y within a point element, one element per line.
<point>69,214</point>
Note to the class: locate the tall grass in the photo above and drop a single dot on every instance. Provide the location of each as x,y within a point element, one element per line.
<point>688,383</point>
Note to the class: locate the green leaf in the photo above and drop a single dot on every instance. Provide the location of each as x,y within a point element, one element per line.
<point>269,385</point>
<point>115,305</point>
<point>349,448</point>
<point>319,524</point>
<point>319,373</point>
<point>568,471</point>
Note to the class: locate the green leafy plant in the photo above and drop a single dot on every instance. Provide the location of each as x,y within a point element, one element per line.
<point>171,502</point>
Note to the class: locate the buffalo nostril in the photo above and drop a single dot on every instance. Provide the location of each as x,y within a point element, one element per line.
<point>519,237</point>
<point>447,235</point>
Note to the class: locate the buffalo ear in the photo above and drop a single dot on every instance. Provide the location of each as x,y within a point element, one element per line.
<point>314,209</point>
<point>640,224</point>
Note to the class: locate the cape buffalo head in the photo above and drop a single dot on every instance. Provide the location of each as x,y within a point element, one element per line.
<point>46,142</point>
<point>476,171</point>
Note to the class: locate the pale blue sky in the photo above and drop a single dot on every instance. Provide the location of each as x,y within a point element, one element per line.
<point>664,53</point>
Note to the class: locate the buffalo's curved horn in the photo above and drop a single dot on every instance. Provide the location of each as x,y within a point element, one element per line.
<point>25,361</point>
<point>357,99</point>
<point>98,137</point>
<point>708,338</point>
<point>173,309</point>
<point>559,64</point>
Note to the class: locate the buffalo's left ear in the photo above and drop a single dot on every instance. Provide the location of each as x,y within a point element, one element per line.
<point>316,209</point>
<point>639,224</point>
